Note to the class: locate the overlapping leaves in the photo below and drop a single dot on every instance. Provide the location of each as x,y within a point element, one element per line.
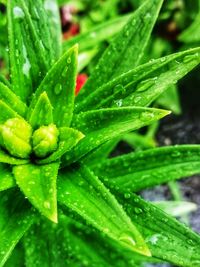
<point>131,224</point>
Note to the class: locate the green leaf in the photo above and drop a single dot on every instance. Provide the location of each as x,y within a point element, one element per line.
<point>12,100</point>
<point>98,207</point>
<point>52,12</point>
<point>136,171</point>
<point>4,81</point>
<point>126,49</point>
<point>29,44</point>
<point>192,33</point>
<point>38,183</point>
<point>163,231</point>
<point>85,58</point>
<point>59,85</point>
<point>6,112</point>
<point>103,125</point>
<point>6,178</point>
<point>142,85</point>
<point>42,113</point>
<point>138,141</point>
<point>97,34</point>
<point>68,138</point>
<point>16,218</point>
<point>6,158</point>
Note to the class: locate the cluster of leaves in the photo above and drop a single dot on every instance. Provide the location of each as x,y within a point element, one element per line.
<point>55,147</point>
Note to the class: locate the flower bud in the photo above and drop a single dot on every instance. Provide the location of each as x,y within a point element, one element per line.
<point>15,136</point>
<point>45,140</point>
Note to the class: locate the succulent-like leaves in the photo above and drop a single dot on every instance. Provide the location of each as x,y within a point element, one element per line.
<point>6,178</point>
<point>136,171</point>
<point>126,49</point>
<point>38,183</point>
<point>42,113</point>
<point>12,100</point>
<point>102,125</point>
<point>97,34</point>
<point>95,204</point>
<point>59,84</point>
<point>28,32</point>
<point>68,138</point>
<point>142,85</point>
<point>16,218</point>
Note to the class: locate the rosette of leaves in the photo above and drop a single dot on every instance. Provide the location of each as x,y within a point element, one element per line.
<point>54,149</point>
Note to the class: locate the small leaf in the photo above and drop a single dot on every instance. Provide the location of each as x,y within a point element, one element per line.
<point>38,183</point>
<point>142,85</point>
<point>98,207</point>
<point>29,43</point>
<point>191,34</point>
<point>42,114</point>
<point>68,138</point>
<point>6,178</point>
<point>59,85</point>
<point>16,218</point>
<point>126,49</point>
<point>12,100</point>
<point>103,125</point>
<point>6,158</point>
<point>151,167</point>
<point>97,34</point>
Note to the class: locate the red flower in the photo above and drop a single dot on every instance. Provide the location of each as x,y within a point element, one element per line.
<point>80,81</point>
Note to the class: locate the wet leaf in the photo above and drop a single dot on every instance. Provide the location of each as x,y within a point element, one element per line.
<point>6,158</point>
<point>16,218</point>
<point>103,125</point>
<point>136,171</point>
<point>6,178</point>
<point>126,49</point>
<point>142,85</point>
<point>6,112</point>
<point>59,84</point>
<point>29,44</point>
<point>42,114</point>
<point>38,183</point>
<point>98,207</point>
<point>12,100</point>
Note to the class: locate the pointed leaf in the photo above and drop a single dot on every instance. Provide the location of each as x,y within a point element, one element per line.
<point>151,167</point>
<point>126,49</point>
<point>6,178</point>
<point>98,207</point>
<point>4,81</point>
<point>103,125</point>
<point>53,14</point>
<point>142,85</point>
<point>6,112</point>
<point>6,158</point>
<point>16,218</point>
<point>68,138</point>
<point>12,100</point>
<point>29,43</point>
<point>59,85</point>
<point>42,114</point>
<point>163,231</point>
<point>38,183</point>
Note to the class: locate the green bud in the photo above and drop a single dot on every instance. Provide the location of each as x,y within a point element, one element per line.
<point>15,136</point>
<point>45,140</point>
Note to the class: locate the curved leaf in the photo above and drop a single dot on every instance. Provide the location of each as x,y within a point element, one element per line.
<point>6,178</point>
<point>136,171</point>
<point>59,84</point>
<point>95,204</point>
<point>6,158</point>
<point>103,125</point>
<point>142,85</point>
<point>126,49</point>
<point>38,183</point>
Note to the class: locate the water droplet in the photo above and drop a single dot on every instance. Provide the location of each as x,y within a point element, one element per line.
<point>69,60</point>
<point>18,12</point>
<point>144,85</point>
<point>58,89</point>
